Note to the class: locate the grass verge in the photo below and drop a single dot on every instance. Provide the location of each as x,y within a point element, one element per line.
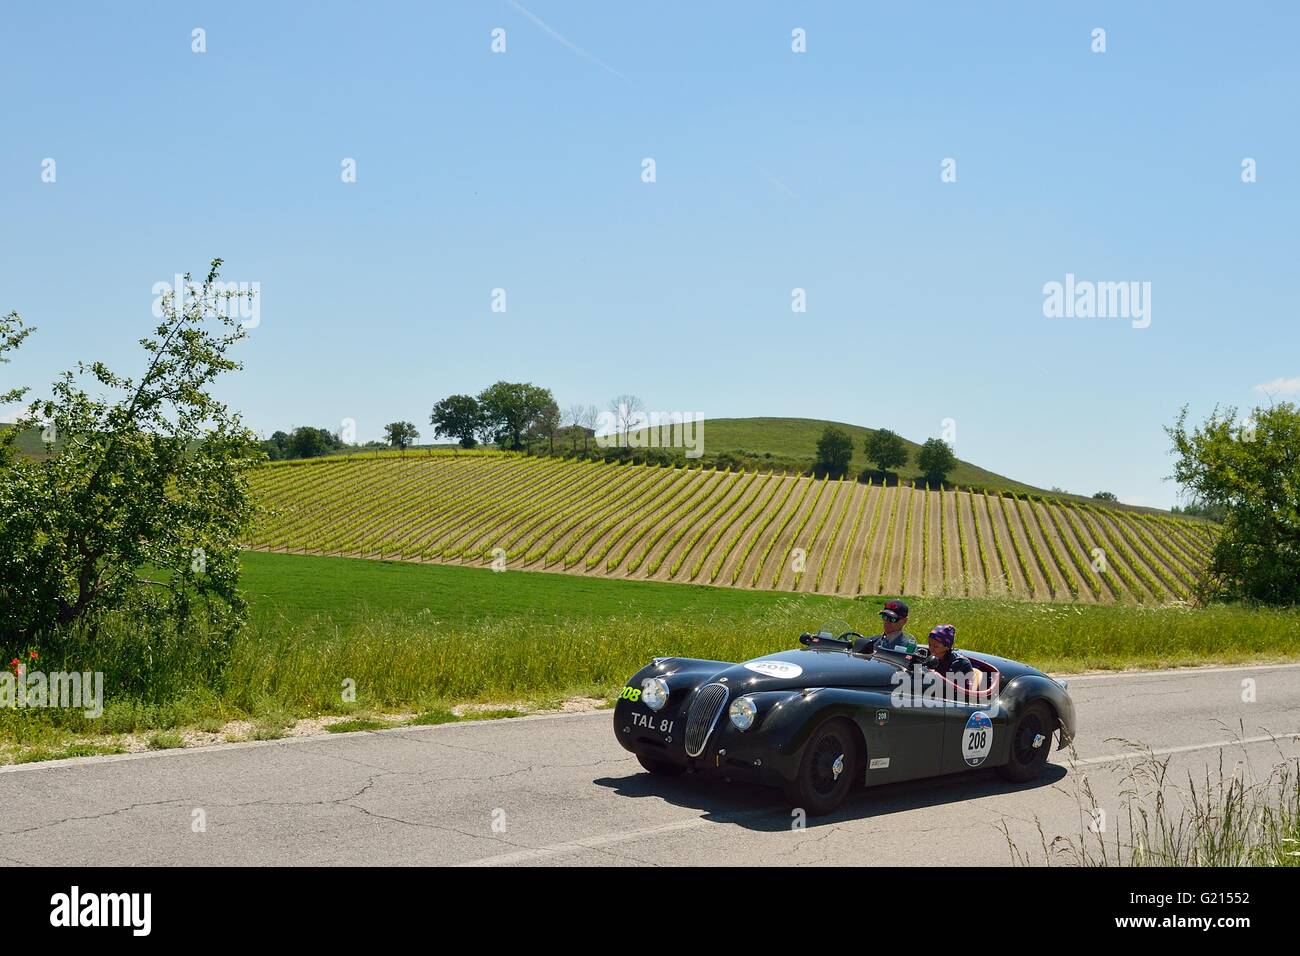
<point>1221,819</point>
<point>354,639</point>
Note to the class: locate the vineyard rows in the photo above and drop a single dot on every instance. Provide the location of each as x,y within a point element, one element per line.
<point>737,529</point>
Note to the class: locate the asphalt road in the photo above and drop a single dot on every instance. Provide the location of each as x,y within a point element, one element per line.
<point>559,790</point>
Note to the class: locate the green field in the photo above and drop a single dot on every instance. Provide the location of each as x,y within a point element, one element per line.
<point>291,590</point>
<point>622,623</point>
<point>421,638</point>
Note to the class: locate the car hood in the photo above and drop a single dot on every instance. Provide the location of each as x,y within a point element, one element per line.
<point>808,667</point>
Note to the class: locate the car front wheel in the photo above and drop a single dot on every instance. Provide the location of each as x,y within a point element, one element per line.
<point>828,769</point>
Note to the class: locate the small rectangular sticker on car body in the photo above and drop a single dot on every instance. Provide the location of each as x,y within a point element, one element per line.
<point>879,763</point>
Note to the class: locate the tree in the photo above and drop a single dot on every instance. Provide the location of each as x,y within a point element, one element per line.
<point>628,411</point>
<point>580,422</point>
<point>1252,472</point>
<point>886,449</point>
<point>400,434</point>
<point>143,507</point>
<point>1105,496</point>
<point>309,442</point>
<point>571,424</point>
<point>277,446</point>
<point>510,409</point>
<point>12,333</point>
<point>588,422</point>
<point>304,441</point>
<point>547,423</point>
<point>936,460</point>
<point>834,452</point>
<point>459,417</point>
<point>1199,509</point>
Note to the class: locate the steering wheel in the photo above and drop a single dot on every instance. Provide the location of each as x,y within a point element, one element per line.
<point>848,634</point>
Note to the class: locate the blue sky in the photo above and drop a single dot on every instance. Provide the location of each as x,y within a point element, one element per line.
<point>775,170</point>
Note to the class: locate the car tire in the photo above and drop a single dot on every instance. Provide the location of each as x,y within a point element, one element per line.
<point>660,768</point>
<point>1026,762</point>
<point>818,787</point>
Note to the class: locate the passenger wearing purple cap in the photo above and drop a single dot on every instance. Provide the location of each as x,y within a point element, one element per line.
<point>950,662</point>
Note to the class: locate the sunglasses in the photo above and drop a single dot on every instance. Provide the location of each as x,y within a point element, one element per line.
<point>889,615</point>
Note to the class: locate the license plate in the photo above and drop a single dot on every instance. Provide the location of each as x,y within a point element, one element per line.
<point>660,725</point>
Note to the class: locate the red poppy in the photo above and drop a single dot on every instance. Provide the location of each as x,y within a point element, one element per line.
<point>34,655</point>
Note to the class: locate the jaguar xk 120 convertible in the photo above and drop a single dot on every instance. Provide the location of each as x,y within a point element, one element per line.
<point>838,711</point>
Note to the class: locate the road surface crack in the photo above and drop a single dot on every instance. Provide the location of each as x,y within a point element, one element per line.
<point>92,816</point>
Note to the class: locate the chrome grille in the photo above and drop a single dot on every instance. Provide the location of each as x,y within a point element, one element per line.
<point>705,711</point>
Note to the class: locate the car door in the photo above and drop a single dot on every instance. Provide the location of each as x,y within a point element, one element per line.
<point>904,736</point>
<point>974,733</point>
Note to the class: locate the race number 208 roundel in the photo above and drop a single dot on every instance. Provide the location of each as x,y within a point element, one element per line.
<point>977,741</point>
<point>779,669</point>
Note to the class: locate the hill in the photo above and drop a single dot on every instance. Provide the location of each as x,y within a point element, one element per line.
<point>29,443</point>
<point>795,440</point>
<point>740,529</point>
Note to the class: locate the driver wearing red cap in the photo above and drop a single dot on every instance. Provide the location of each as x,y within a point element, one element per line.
<point>894,615</point>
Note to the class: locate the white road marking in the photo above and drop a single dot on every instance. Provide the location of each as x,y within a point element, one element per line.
<point>1178,672</point>
<point>586,843</point>
<point>627,836</point>
<point>1167,751</point>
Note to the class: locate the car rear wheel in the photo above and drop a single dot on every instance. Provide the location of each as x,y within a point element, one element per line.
<point>1031,741</point>
<point>660,768</point>
<point>828,768</point>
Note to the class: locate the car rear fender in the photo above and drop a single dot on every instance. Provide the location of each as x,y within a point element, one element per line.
<point>1027,688</point>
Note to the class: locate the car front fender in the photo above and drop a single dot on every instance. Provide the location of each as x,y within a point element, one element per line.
<point>785,721</point>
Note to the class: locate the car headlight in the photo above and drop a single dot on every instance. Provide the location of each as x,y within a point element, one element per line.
<point>741,712</point>
<point>654,692</point>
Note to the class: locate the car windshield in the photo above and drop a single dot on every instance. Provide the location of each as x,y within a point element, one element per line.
<point>832,630</point>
